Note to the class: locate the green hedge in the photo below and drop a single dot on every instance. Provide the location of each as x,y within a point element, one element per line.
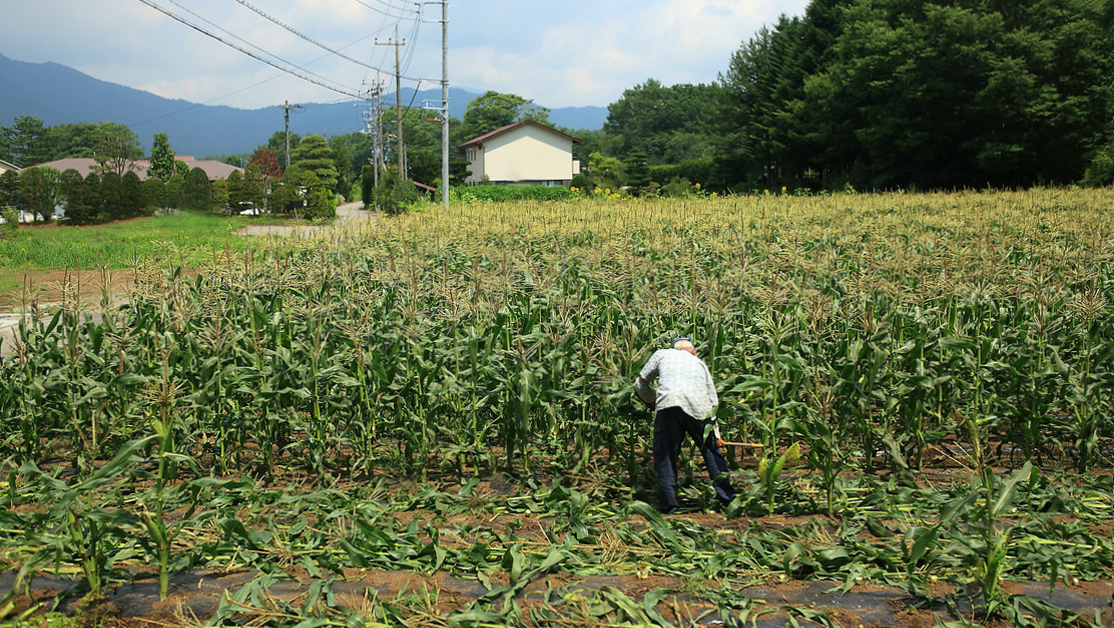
<point>500,193</point>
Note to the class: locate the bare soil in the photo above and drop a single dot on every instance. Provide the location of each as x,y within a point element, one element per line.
<point>43,287</point>
<point>195,596</point>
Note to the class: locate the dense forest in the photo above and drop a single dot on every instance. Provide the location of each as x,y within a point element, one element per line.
<point>879,94</point>
<point>869,94</point>
<point>896,93</point>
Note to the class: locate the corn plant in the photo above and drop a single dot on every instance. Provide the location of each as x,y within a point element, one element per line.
<point>77,528</point>
<point>502,339</point>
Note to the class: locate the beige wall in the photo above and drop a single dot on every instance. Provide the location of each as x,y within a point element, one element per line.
<point>527,153</point>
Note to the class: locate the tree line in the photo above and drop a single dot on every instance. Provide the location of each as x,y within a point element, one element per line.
<point>866,94</point>
<point>113,190</point>
<point>869,94</point>
<point>894,93</point>
<point>881,94</point>
<point>322,172</point>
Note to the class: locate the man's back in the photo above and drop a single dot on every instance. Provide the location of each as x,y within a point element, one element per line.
<point>683,380</point>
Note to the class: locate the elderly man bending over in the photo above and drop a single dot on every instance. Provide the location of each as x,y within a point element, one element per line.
<point>685,396</point>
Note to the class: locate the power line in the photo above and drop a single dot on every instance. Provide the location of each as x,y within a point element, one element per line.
<point>286,114</point>
<point>483,44</point>
<point>273,64</point>
<point>207,102</point>
<point>381,11</point>
<point>308,38</point>
<point>412,49</point>
<point>260,49</point>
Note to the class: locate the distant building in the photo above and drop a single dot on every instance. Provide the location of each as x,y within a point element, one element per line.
<point>5,166</point>
<point>425,191</point>
<point>214,169</point>
<point>522,153</point>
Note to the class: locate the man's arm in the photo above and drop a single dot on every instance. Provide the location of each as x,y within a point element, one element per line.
<point>645,392</point>
<point>642,387</point>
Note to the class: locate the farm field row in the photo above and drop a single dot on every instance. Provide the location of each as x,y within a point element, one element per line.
<point>447,393</point>
<point>54,254</point>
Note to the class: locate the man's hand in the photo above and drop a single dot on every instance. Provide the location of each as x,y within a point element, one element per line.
<point>720,443</point>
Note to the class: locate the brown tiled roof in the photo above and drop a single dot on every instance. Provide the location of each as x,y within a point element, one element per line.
<point>497,132</point>
<point>214,169</point>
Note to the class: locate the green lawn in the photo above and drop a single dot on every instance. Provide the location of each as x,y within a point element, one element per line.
<point>176,237</point>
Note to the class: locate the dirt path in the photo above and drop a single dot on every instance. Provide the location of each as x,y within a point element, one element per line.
<point>347,213</point>
<point>45,289</point>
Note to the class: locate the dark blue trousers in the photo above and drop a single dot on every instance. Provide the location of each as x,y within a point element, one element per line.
<point>671,425</point>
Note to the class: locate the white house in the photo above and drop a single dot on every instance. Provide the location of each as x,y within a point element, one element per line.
<point>522,153</point>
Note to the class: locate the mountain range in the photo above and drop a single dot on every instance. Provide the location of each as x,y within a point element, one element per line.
<point>57,94</point>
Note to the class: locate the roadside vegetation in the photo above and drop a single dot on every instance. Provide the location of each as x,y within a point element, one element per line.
<point>183,238</point>
<point>442,399</point>
<point>118,245</point>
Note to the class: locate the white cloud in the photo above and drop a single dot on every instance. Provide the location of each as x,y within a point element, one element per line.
<point>574,53</point>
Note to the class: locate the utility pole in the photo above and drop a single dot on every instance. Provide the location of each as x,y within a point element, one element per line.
<point>398,102</point>
<point>445,102</point>
<point>373,121</point>
<point>444,107</point>
<point>286,114</point>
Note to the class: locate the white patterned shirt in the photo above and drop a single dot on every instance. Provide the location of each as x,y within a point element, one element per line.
<point>683,381</point>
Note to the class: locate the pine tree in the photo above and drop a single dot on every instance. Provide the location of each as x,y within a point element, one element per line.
<point>237,200</point>
<point>196,193</point>
<point>111,198</point>
<point>254,186</point>
<point>319,206</point>
<point>34,193</point>
<point>73,196</point>
<point>286,195</point>
<point>172,195</point>
<point>9,198</point>
<point>314,155</point>
<point>91,192</point>
<point>154,194</point>
<point>131,194</point>
<point>162,158</point>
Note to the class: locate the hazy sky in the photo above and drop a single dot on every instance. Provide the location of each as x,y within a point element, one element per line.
<point>558,54</point>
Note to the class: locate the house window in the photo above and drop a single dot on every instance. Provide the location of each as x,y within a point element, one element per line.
<point>471,154</point>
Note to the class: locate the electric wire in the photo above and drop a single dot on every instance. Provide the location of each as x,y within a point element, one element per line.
<point>414,30</point>
<point>319,83</point>
<point>259,48</point>
<point>483,44</point>
<point>381,11</point>
<point>208,102</point>
<point>308,38</point>
<point>409,56</point>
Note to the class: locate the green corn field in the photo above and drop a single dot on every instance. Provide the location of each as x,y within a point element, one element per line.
<point>926,381</point>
